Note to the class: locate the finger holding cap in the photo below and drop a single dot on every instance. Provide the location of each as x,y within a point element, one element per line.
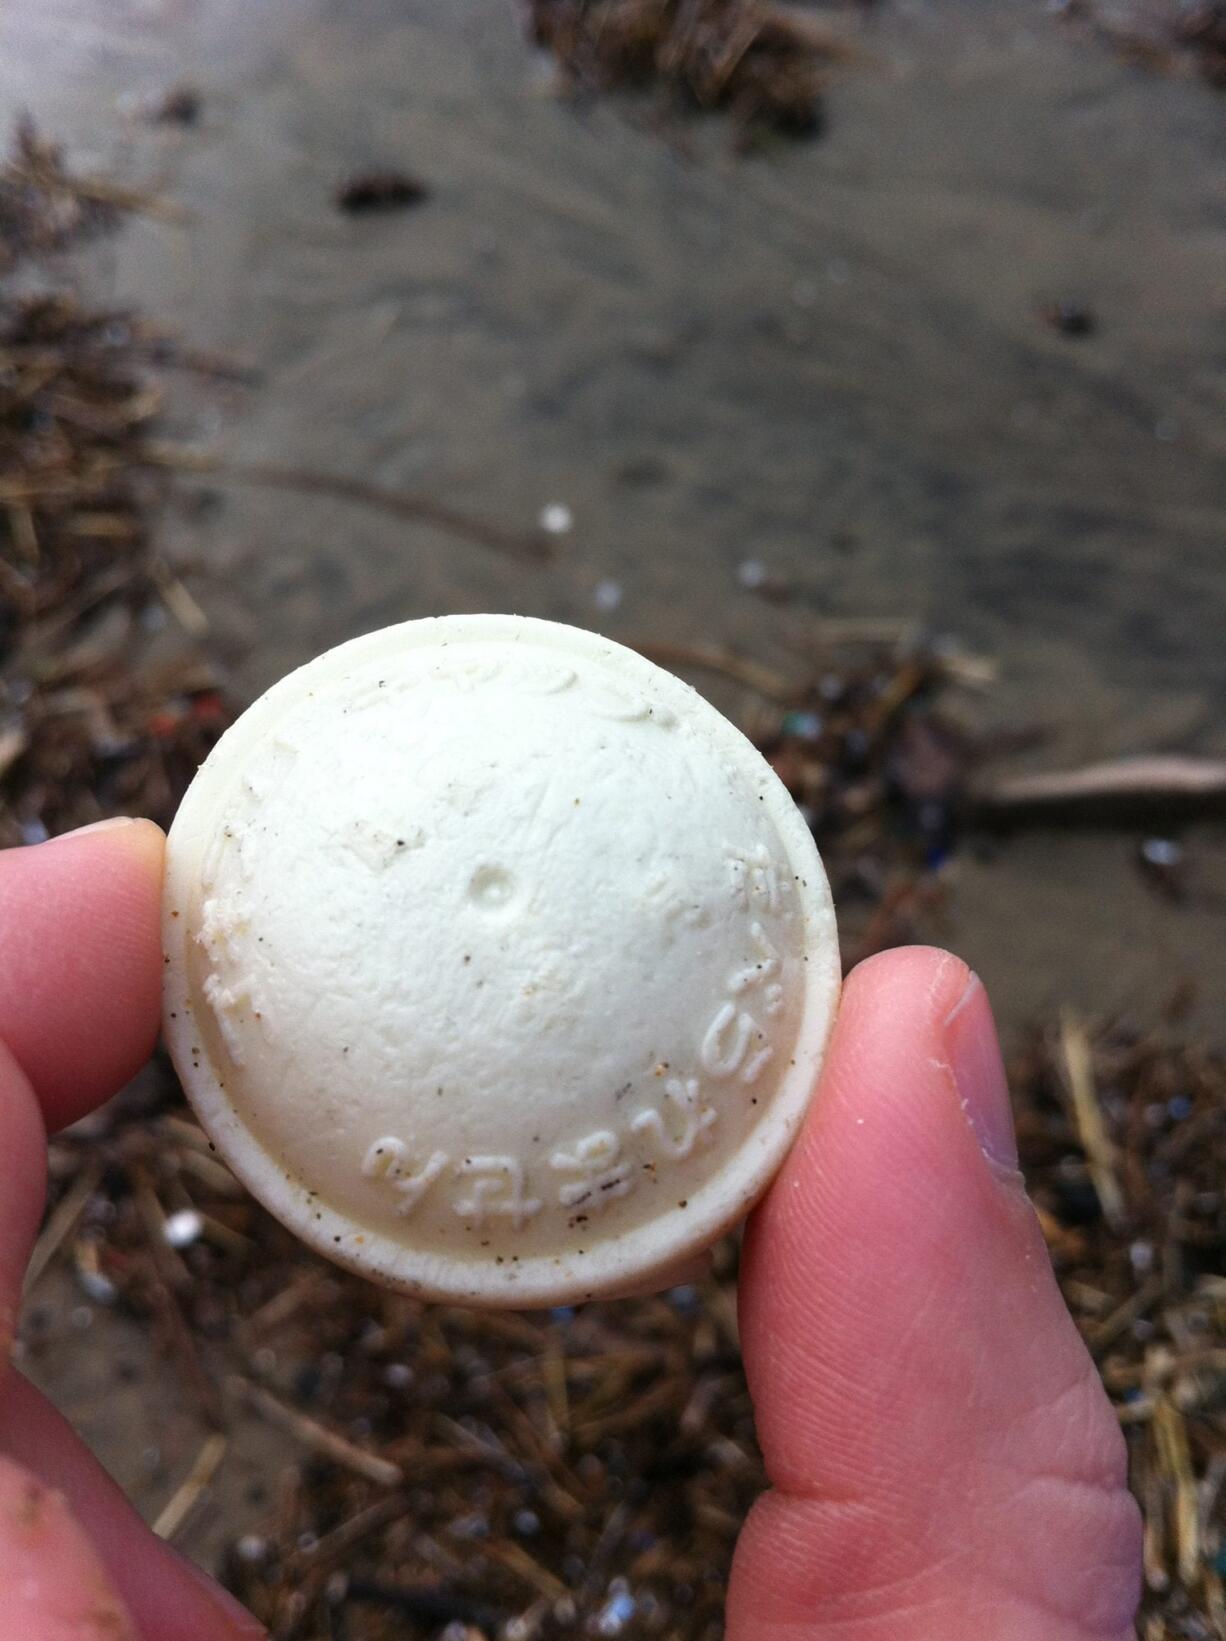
<point>80,962</point>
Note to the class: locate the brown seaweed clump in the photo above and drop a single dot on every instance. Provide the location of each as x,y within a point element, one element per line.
<point>1201,30</point>
<point>763,65</point>
<point>1168,36</point>
<point>43,207</point>
<point>101,711</point>
<point>1123,1140</point>
<point>881,766</point>
<point>93,720</point>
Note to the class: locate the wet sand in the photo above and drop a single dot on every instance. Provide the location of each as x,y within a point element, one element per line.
<point>828,357</point>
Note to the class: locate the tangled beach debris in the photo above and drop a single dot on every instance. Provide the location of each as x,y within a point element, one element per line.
<point>1169,36</point>
<point>765,65</point>
<point>99,710</point>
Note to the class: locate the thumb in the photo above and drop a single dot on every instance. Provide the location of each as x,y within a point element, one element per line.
<point>945,1462</point>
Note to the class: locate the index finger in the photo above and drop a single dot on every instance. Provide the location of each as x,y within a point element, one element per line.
<point>80,962</point>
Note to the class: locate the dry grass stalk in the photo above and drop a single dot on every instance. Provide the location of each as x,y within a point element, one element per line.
<point>317,1436</point>
<point>192,1488</point>
<point>61,1223</point>
<point>1079,1074</point>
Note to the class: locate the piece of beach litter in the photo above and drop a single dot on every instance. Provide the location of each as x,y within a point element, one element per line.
<point>499,965</point>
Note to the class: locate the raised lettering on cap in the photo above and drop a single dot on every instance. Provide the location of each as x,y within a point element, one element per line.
<point>500,964</point>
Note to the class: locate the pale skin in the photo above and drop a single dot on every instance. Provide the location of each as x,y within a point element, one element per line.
<point>945,1465</point>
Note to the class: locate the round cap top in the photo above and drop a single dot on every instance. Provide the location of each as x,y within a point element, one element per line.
<point>500,965</point>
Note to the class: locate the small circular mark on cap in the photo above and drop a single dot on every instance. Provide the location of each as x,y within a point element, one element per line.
<point>491,888</point>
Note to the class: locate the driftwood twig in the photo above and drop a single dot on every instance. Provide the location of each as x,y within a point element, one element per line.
<point>1126,789</point>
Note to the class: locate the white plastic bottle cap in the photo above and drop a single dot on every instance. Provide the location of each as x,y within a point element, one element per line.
<point>499,965</point>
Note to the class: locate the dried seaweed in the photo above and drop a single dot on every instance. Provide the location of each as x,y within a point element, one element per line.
<point>43,207</point>
<point>89,724</point>
<point>881,768</point>
<point>1169,36</point>
<point>1201,30</point>
<point>1123,1139</point>
<point>764,65</point>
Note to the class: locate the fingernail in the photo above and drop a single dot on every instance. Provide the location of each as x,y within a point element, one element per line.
<point>974,1055</point>
<point>112,824</point>
<point>235,1615</point>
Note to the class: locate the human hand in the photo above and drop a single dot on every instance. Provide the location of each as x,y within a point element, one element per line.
<point>80,985</point>
<point>946,1465</point>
